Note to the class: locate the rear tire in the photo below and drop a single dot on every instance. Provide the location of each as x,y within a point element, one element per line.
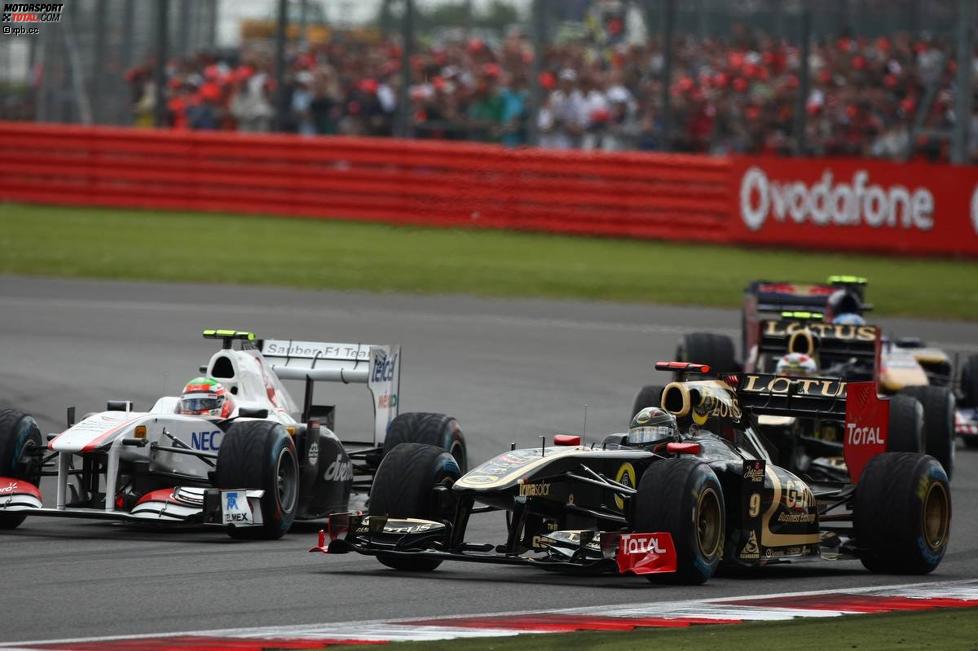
<point>438,430</point>
<point>708,348</point>
<point>403,488</point>
<point>683,497</point>
<point>261,455</point>
<point>906,433</point>
<point>19,435</point>
<point>648,396</point>
<point>939,406</point>
<point>902,513</point>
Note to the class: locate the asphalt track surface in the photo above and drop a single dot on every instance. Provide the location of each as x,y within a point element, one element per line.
<point>509,370</point>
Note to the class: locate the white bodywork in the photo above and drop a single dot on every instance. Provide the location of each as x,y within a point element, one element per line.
<point>253,378</point>
<point>379,367</point>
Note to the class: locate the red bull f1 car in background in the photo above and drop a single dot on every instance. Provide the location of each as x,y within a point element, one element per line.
<point>668,501</point>
<point>825,321</point>
<point>253,470</point>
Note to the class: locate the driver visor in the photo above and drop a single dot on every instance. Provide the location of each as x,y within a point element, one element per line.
<point>200,403</point>
<point>641,435</point>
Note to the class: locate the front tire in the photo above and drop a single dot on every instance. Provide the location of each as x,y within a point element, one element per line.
<point>939,406</point>
<point>683,497</point>
<point>438,430</point>
<point>19,438</point>
<point>261,455</point>
<point>404,488</point>
<point>902,513</point>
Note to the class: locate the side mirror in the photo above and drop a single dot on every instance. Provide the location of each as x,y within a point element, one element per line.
<point>249,412</point>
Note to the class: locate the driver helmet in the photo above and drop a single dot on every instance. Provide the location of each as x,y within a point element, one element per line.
<point>652,425</point>
<point>205,396</point>
<point>796,365</point>
<point>841,302</point>
<point>849,318</point>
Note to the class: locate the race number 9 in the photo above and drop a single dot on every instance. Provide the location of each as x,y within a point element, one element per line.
<point>754,505</point>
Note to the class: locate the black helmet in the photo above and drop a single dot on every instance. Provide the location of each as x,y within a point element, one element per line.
<point>652,425</point>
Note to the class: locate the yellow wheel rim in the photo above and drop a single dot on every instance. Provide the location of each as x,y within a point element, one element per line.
<point>709,523</point>
<point>936,515</point>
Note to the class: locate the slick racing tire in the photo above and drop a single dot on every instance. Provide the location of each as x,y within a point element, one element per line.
<point>707,348</point>
<point>404,488</point>
<point>19,437</point>
<point>906,433</point>
<point>683,497</point>
<point>902,514</point>
<point>261,454</point>
<point>648,396</point>
<point>969,382</point>
<point>939,406</point>
<point>438,430</point>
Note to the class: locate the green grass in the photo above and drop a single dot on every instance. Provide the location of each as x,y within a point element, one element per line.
<point>124,244</point>
<point>946,630</point>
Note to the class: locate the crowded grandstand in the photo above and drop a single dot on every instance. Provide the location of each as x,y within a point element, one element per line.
<point>601,89</point>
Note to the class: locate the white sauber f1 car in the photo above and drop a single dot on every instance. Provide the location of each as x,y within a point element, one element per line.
<point>253,471</point>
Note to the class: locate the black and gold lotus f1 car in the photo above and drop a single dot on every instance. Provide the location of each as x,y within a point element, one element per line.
<point>676,507</point>
<point>781,317</point>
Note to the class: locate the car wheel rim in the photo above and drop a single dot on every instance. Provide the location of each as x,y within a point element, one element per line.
<point>286,474</point>
<point>936,514</point>
<point>709,528</point>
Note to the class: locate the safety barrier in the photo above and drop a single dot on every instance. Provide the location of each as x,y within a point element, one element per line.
<point>415,182</point>
<point>850,204</point>
<point>662,196</point>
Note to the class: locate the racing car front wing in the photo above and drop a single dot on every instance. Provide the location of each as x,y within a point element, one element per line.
<point>178,505</point>
<point>584,551</point>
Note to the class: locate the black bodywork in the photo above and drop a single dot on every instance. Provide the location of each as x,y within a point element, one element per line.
<point>566,506</point>
<point>811,303</point>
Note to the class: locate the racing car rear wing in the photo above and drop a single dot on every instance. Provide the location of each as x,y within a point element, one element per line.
<point>777,395</point>
<point>777,296</point>
<point>377,366</point>
<point>320,361</point>
<point>780,296</point>
<point>864,414</point>
<point>832,344</point>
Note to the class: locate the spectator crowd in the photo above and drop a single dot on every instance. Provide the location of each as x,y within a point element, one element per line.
<point>730,95</point>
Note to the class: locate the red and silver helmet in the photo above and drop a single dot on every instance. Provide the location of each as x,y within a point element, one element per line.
<point>204,396</point>
<point>796,365</point>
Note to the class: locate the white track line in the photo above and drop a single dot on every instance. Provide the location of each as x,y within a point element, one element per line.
<point>411,628</point>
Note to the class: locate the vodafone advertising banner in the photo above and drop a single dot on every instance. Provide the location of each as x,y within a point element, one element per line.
<point>915,208</point>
